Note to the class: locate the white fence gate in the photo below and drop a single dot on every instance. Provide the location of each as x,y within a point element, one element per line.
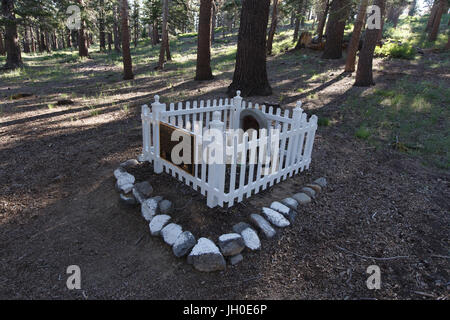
<point>253,161</point>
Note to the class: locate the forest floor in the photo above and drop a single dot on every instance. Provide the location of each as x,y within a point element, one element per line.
<point>383,150</point>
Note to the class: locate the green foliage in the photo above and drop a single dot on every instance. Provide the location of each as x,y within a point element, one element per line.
<point>323,122</point>
<point>394,50</point>
<point>362,132</point>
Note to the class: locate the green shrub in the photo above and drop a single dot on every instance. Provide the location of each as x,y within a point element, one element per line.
<point>362,133</point>
<point>394,50</point>
<point>323,122</point>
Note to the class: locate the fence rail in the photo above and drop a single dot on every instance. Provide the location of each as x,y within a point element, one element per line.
<point>251,162</point>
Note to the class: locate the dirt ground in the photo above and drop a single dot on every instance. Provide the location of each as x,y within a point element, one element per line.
<point>58,206</point>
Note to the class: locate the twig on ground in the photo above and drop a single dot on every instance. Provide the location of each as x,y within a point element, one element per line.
<point>139,240</point>
<point>429,295</point>
<point>369,257</point>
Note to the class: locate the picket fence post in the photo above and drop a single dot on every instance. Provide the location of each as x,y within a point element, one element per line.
<point>157,109</point>
<point>216,168</point>
<point>236,110</point>
<point>145,116</point>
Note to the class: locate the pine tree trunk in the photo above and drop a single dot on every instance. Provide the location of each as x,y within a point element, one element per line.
<point>47,42</point>
<point>250,74</point>
<point>432,36</point>
<point>296,29</point>
<point>203,71</point>
<point>26,41</point>
<point>273,26</point>
<point>69,38</point>
<point>2,45</point>
<point>165,40</point>
<point>356,35</point>
<point>126,55</point>
<point>339,12</point>
<point>82,36</point>
<point>432,16</point>
<point>33,40</point>
<point>13,54</point>
<point>322,19</point>
<point>213,22</point>
<point>116,30</point>
<point>101,26</point>
<point>364,75</point>
<point>110,41</point>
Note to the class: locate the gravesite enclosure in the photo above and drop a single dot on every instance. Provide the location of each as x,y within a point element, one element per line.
<point>250,150</point>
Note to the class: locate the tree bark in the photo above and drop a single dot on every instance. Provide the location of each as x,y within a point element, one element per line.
<point>110,41</point>
<point>126,55</point>
<point>356,35</point>
<point>26,40</point>
<point>364,75</point>
<point>32,40</point>
<point>250,74</point>
<point>432,15</point>
<point>273,26</point>
<point>213,22</point>
<point>2,45</point>
<point>203,71</point>
<point>165,39</point>
<point>82,37</point>
<point>322,19</point>
<point>339,11</point>
<point>296,29</point>
<point>13,54</point>
<point>116,30</point>
<point>101,26</point>
<point>432,36</point>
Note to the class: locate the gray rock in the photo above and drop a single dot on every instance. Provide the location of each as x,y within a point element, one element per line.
<point>127,199</point>
<point>158,198</point>
<point>236,259</point>
<point>263,225</point>
<point>281,208</point>
<point>158,223</point>
<point>310,192</point>
<point>142,191</point>
<point>170,233</point>
<point>118,172</point>
<point>231,244</point>
<point>301,198</point>
<point>241,226</point>
<point>251,239</point>
<point>183,244</point>
<point>149,209</point>
<point>276,218</point>
<point>290,202</point>
<point>131,163</point>
<point>321,182</point>
<point>125,188</point>
<point>315,187</point>
<point>165,206</point>
<point>206,256</point>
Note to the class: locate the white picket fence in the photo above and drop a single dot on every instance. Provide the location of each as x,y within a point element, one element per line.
<point>253,165</point>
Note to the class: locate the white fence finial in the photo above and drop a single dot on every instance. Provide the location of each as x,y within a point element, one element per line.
<point>299,104</point>
<point>156,98</point>
<point>238,93</point>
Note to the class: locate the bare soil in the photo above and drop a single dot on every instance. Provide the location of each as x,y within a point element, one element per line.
<point>58,206</point>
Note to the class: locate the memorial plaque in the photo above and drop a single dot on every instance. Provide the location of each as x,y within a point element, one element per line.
<point>166,145</point>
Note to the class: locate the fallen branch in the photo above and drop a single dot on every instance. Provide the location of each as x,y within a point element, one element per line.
<point>369,257</point>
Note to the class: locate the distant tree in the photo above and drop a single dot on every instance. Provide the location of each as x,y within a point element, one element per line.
<point>250,73</point>
<point>127,63</point>
<point>432,36</point>
<point>101,25</point>
<point>82,35</point>
<point>322,18</point>
<point>356,35</point>
<point>364,74</point>
<point>13,53</point>
<point>432,15</point>
<point>135,17</point>
<point>2,45</point>
<point>203,70</point>
<point>273,26</point>
<point>164,49</point>
<point>339,11</point>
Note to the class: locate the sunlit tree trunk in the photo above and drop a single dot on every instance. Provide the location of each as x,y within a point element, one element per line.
<point>322,18</point>
<point>250,73</point>
<point>165,35</point>
<point>13,54</point>
<point>356,35</point>
<point>273,26</point>
<point>432,15</point>
<point>203,70</point>
<point>432,36</point>
<point>364,73</point>
<point>126,55</point>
